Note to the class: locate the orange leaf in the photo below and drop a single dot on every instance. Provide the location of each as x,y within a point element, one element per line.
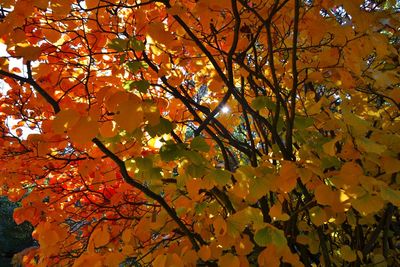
<point>108,129</point>
<point>204,253</point>
<point>28,52</point>
<point>129,115</point>
<point>84,130</point>
<point>64,120</point>
<point>100,237</point>
<point>229,260</point>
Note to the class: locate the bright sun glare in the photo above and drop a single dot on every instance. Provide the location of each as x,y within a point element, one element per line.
<point>225,109</point>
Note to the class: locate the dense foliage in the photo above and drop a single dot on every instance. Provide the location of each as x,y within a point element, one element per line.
<point>201,132</point>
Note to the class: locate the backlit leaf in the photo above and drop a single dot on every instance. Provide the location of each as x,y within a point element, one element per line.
<point>28,52</point>
<point>198,143</point>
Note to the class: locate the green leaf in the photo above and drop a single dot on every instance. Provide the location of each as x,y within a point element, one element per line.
<point>198,143</point>
<point>136,45</point>
<point>263,237</point>
<point>261,102</point>
<point>128,86</point>
<point>163,127</point>
<point>238,221</point>
<point>370,146</point>
<point>154,173</point>
<point>270,235</point>
<point>142,85</point>
<point>118,44</point>
<point>303,122</point>
<point>195,171</point>
<point>328,162</point>
<point>221,177</point>
<point>391,195</point>
<point>368,204</point>
<point>134,66</point>
<point>194,157</point>
<point>259,187</point>
<point>171,151</point>
<point>144,163</point>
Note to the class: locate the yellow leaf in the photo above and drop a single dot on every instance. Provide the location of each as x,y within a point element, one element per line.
<point>359,124</point>
<point>368,204</point>
<point>348,254</point>
<point>129,115</point>
<point>303,239</point>
<point>259,187</point>
<point>370,146</point>
<point>317,215</point>
<point>379,260</point>
<point>329,147</point>
<point>390,164</point>
<point>238,221</point>
<point>329,57</point>
<point>393,196</point>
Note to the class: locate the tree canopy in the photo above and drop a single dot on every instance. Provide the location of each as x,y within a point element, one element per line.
<point>203,133</point>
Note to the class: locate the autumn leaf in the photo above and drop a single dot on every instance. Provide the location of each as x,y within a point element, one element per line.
<point>276,213</point>
<point>317,216</point>
<point>204,253</point>
<point>390,195</point>
<point>198,143</point>
<point>65,120</point>
<point>228,260</point>
<point>367,204</point>
<point>270,235</point>
<point>129,115</point>
<point>347,254</point>
<point>28,52</point>
<point>184,133</point>
<point>100,237</point>
<point>84,130</point>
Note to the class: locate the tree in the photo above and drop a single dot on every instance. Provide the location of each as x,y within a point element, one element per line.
<point>210,133</point>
